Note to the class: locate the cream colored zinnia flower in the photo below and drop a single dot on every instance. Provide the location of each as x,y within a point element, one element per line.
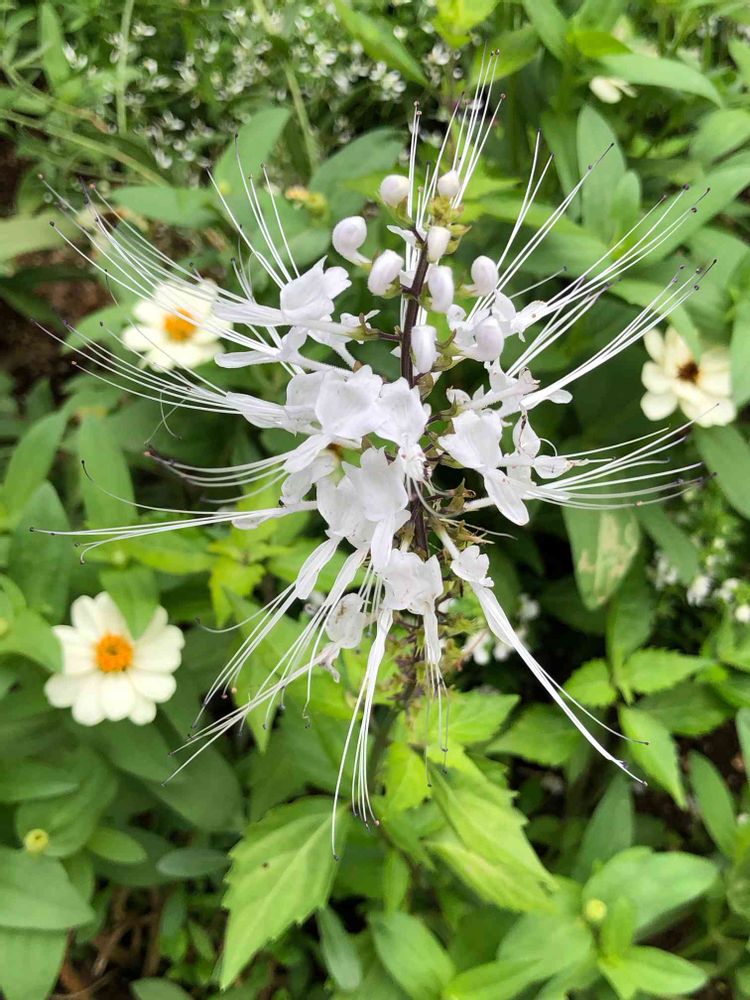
<point>177,326</point>
<point>674,377</point>
<point>107,674</point>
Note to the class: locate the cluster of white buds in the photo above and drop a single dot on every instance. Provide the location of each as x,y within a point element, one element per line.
<point>370,451</point>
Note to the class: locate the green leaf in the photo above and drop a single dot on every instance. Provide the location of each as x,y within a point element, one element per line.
<point>35,893</point>
<point>411,954</point>
<point>492,981</point>
<point>189,207</point>
<point>653,971</point>
<point>616,936</point>
<point>192,862</point>
<point>604,544</point>
<point>720,133</point>
<point>31,460</point>
<point>672,540</point>
<point>105,470</point>
<point>551,942</point>
<point>658,757</point>
<point>490,851</point>
<point>31,779</point>
<point>281,872</point>
<point>740,353</point>
<point>595,44</point>
<point>178,553</point>
<point>542,734</point>
<point>52,40</point>
<point>30,961</point>
<point>715,803</point>
<point>376,37</point>
<point>651,670</point>
<point>743,733</point>
<point>136,594</point>
<point>550,24</point>
<point>657,884</point>
<point>455,18</point>
<point>472,717</point>
<point>515,49</point>
<point>244,157</point>
<point>690,709</point>
<point>668,74</point>
<point>71,819</point>
<point>339,952</point>
<point>41,565</point>
<point>23,234</point>
<point>590,684</point>
<point>598,149</point>
<point>158,989</point>
<point>610,829</point>
<point>115,845</point>
<point>630,619</point>
<point>372,153</point>
<point>727,455</point>
<point>405,778</point>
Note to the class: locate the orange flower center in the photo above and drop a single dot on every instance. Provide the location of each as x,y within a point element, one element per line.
<point>113,654</point>
<point>180,327</point>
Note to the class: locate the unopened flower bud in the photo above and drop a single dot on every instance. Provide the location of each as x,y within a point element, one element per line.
<point>36,841</point>
<point>394,189</point>
<point>484,275</point>
<point>385,269</point>
<point>423,345</point>
<point>348,236</point>
<point>449,184</point>
<point>489,339</point>
<point>440,284</point>
<point>438,239</point>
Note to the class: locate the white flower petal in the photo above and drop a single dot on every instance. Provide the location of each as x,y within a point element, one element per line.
<point>143,711</point>
<point>62,690</point>
<point>657,406</point>
<point>87,708</point>
<point>116,695</point>
<point>156,687</point>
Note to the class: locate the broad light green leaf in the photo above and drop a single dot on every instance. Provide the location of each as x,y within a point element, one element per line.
<point>552,942</point>
<point>490,851</point>
<point>549,23</point>
<point>30,961</point>
<point>656,883</point>
<point>372,153</point>
<point>281,872</point>
<point>51,38</point>
<point>158,989</point>
<point>135,593</point>
<point>192,862</point>
<point>672,540</point>
<point>604,544</point>
<point>630,617</point>
<point>715,803</point>
<point>103,468</point>
<point>115,845</point>
<point>42,564</point>
<point>35,893</point>
<point>31,779</point>
<point>515,49</point>
<point>542,733</point>
<point>492,981</point>
<point>471,717</point>
<point>411,954</point>
<point>610,829</point>
<point>653,971</point>
<point>22,234</point>
<point>590,684</point>
<point>455,18</point>
<point>379,42</point>
<point>405,778</point>
<point>190,207</point>
<point>594,44</point>
<point>658,757</point>
<point>244,156</point>
<point>720,133</point>
<point>339,951</point>
<point>171,552</point>
<point>740,353</point>
<point>598,149</point>
<point>669,74</point>
<point>650,670</point>
<point>32,458</point>
<point>71,819</point>
<point>727,454</point>
<point>689,709</point>
<point>618,928</point>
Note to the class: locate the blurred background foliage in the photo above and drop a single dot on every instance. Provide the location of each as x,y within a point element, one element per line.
<point>525,868</point>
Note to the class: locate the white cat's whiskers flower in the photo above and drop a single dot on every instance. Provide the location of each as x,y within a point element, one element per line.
<point>369,453</point>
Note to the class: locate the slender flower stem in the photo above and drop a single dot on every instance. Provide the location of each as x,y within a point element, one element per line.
<point>122,63</point>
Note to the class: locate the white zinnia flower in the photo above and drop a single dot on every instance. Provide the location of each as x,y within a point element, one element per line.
<point>177,326</point>
<point>107,674</point>
<point>674,377</point>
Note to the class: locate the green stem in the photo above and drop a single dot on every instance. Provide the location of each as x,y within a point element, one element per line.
<point>311,145</point>
<point>122,64</point>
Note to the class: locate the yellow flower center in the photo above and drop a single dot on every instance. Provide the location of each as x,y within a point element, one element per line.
<point>689,372</point>
<point>113,654</point>
<point>180,327</point>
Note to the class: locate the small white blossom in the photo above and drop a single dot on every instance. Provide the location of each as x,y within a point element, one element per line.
<point>385,270</point>
<point>611,89</point>
<point>106,673</point>
<point>438,239</point>
<point>440,284</point>
<point>394,189</point>
<point>348,236</point>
